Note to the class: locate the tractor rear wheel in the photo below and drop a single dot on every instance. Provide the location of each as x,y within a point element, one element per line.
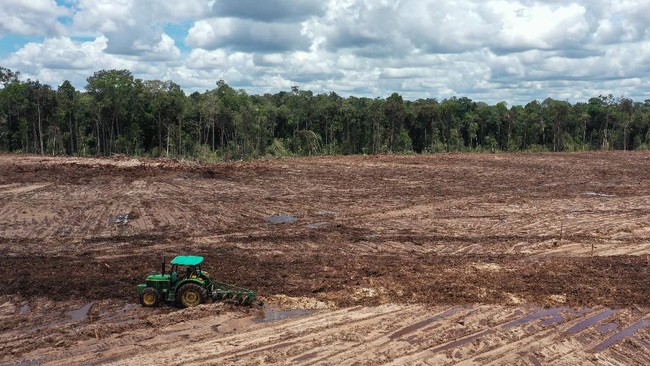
<point>191,295</point>
<point>149,297</point>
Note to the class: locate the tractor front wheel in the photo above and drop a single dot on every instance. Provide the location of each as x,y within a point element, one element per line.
<point>191,295</point>
<point>149,297</point>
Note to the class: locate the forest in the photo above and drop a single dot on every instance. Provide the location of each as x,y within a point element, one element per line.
<point>120,114</point>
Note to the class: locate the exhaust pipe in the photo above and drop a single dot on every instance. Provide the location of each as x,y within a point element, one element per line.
<point>163,265</point>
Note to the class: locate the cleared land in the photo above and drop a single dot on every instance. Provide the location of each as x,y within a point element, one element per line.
<point>522,258</point>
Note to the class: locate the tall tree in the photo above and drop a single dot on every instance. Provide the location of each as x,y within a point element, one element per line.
<point>66,97</point>
<point>395,112</point>
<point>111,90</point>
<point>42,105</point>
<point>626,107</point>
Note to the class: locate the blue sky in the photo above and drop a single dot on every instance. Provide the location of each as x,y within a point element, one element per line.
<point>10,43</point>
<point>505,50</point>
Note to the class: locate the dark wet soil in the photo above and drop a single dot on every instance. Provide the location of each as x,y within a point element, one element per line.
<point>420,278</point>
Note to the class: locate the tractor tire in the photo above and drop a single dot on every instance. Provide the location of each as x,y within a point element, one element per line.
<point>191,295</point>
<point>149,297</point>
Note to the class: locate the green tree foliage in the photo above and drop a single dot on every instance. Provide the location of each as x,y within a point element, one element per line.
<point>113,94</point>
<point>118,114</point>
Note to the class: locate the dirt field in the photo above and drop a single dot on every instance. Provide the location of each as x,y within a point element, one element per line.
<point>442,259</point>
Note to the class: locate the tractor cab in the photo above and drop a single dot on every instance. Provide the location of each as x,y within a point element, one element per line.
<point>187,267</point>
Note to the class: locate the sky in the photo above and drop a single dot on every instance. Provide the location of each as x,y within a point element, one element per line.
<point>490,51</point>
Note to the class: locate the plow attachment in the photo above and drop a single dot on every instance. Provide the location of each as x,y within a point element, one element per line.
<point>226,291</point>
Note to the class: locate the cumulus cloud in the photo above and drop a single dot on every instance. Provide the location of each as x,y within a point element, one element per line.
<point>135,27</point>
<point>268,10</point>
<point>32,17</point>
<point>367,28</point>
<point>247,35</point>
<point>438,26</point>
<point>60,53</point>
<point>540,27</point>
<point>147,45</point>
<point>111,15</point>
<point>58,59</point>
<point>624,21</point>
<point>490,50</point>
<point>219,59</point>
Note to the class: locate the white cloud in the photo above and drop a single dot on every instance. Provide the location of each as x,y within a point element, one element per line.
<point>218,59</point>
<point>113,15</point>
<point>32,17</point>
<point>540,26</point>
<point>102,16</point>
<point>136,27</point>
<point>490,50</point>
<point>247,35</point>
<point>621,21</point>
<point>58,59</point>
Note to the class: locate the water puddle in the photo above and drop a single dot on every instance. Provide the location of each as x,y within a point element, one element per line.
<point>121,219</point>
<point>555,318</point>
<point>606,328</point>
<point>81,313</point>
<point>591,321</point>
<point>317,225</point>
<point>622,334</point>
<point>554,314</point>
<point>281,219</point>
<point>273,315</point>
<point>25,308</point>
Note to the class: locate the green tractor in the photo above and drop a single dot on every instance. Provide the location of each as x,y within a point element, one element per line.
<point>188,285</point>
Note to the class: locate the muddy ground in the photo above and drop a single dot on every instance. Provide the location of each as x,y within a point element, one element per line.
<point>488,239</point>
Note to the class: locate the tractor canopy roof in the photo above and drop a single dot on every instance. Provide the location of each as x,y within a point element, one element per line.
<point>187,260</point>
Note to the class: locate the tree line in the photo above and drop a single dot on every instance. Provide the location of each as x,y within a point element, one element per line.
<point>120,114</point>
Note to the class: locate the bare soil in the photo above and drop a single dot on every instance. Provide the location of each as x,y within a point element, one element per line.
<point>407,259</point>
